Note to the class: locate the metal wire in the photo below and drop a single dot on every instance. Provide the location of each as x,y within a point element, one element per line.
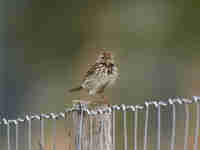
<point>158,131</point>
<point>91,133</point>
<point>54,134</point>
<point>146,125</point>
<point>113,129</point>
<point>187,119</point>
<point>8,134</point>
<point>112,109</point>
<point>135,128</point>
<point>17,136</point>
<point>197,127</point>
<point>101,131</point>
<point>80,132</point>
<point>42,133</point>
<point>125,131</point>
<point>29,134</point>
<point>173,126</point>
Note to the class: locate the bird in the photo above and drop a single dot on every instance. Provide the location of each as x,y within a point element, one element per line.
<point>102,74</point>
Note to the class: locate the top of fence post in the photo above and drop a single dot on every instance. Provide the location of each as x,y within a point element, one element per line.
<point>92,131</point>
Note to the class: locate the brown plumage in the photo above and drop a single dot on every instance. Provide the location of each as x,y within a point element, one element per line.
<point>100,75</point>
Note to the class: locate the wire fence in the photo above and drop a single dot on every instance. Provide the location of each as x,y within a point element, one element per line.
<point>13,141</point>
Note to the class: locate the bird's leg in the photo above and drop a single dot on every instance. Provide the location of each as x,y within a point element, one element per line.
<point>105,99</point>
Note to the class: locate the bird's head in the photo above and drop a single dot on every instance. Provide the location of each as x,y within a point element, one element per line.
<point>105,57</point>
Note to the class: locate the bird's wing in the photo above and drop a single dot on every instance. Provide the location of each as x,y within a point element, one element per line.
<point>90,71</point>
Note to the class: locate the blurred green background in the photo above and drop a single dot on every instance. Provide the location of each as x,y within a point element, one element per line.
<point>46,47</point>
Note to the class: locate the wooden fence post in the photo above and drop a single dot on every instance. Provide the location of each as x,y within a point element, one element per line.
<point>92,132</point>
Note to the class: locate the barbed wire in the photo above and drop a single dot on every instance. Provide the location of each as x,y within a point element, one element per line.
<point>107,109</point>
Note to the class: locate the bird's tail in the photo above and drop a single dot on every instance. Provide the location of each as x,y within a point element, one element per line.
<point>75,89</point>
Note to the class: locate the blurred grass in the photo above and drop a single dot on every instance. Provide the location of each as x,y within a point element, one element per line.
<point>46,46</point>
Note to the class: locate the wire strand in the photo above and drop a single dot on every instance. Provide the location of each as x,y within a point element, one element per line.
<point>125,130</point>
<point>112,109</point>
<point>109,109</point>
<point>135,128</point>
<point>42,133</point>
<point>17,136</point>
<point>158,131</point>
<point>8,135</point>
<point>113,129</point>
<point>173,126</point>
<point>187,115</point>
<point>80,131</point>
<point>54,134</point>
<point>197,127</point>
<point>146,126</point>
<point>91,133</point>
<point>29,135</point>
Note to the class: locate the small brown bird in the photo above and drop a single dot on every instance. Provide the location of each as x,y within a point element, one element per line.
<point>102,74</point>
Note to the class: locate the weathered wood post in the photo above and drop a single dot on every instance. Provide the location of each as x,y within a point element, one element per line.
<point>91,131</point>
